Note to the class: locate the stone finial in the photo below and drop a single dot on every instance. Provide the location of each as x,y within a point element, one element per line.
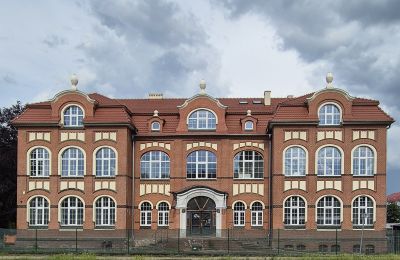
<point>202,86</point>
<point>329,79</point>
<point>74,81</point>
<point>155,113</point>
<point>249,112</point>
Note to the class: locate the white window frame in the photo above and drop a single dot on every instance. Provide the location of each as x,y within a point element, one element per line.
<point>244,161</point>
<point>105,215</point>
<point>34,218</point>
<point>78,117</point>
<point>155,129</point>
<point>327,159</point>
<point>356,171</point>
<point>330,114</point>
<point>77,209</point>
<point>289,169</point>
<point>163,214</point>
<point>70,162</point>
<point>257,215</point>
<point>239,214</point>
<point>357,211</point>
<point>145,214</point>
<point>194,116</point>
<point>105,162</point>
<point>158,162</point>
<point>248,125</point>
<point>328,211</point>
<point>42,165</point>
<point>292,205</point>
<point>197,163</point>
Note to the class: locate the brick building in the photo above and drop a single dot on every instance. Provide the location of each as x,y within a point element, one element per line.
<point>202,165</point>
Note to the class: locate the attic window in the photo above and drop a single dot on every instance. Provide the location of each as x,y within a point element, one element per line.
<point>155,126</point>
<point>257,102</point>
<point>243,102</point>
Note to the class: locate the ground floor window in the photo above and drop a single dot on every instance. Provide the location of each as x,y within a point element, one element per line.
<point>145,214</point>
<point>239,214</point>
<point>38,211</point>
<point>163,214</point>
<point>72,212</point>
<point>105,211</point>
<point>257,214</point>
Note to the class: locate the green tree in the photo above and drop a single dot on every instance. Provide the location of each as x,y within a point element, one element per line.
<point>393,213</point>
<point>8,165</point>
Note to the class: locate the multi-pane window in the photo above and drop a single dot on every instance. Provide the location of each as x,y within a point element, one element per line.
<point>39,162</point>
<point>295,161</point>
<point>248,125</point>
<point>105,211</point>
<point>73,116</point>
<point>72,212</point>
<point>328,211</point>
<point>38,212</point>
<point>201,165</point>
<point>329,114</point>
<point>145,214</point>
<point>257,214</point>
<point>105,162</point>
<point>363,161</point>
<point>163,214</point>
<point>154,165</point>
<point>248,165</point>
<point>202,119</point>
<point>295,211</point>
<point>72,163</point>
<point>363,211</point>
<point>155,126</point>
<point>329,161</point>
<point>238,214</point>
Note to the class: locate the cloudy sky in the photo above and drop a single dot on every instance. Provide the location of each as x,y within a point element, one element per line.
<point>241,48</point>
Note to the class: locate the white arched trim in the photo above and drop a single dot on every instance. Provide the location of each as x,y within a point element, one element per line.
<point>202,108</point>
<point>60,153</point>
<point>28,206</point>
<point>183,198</point>
<point>28,160</point>
<point>373,202</point>
<point>342,159</point>
<point>66,196</point>
<point>94,162</point>
<point>329,195</point>
<point>305,205</point>
<point>251,204</point>
<point>65,108</point>
<point>336,105</point>
<point>236,201</point>
<point>284,156</point>
<point>143,201</point>
<point>332,90</point>
<point>373,151</point>
<point>161,201</point>
<point>94,206</point>
<point>70,91</point>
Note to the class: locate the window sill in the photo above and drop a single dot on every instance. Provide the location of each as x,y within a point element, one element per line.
<point>161,179</point>
<point>105,177</point>
<point>364,176</point>
<point>201,179</point>
<point>329,227</point>
<point>145,227</point>
<point>248,179</point>
<point>238,227</point>
<point>71,228</point>
<point>104,227</point>
<point>257,227</point>
<point>295,227</point>
<point>80,127</point>
<point>39,177</point>
<point>295,176</point>
<point>366,227</point>
<point>72,177</point>
<point>330,176</point>
<point>163,227</point>
<point>203,130</point>
<point>38,227</point>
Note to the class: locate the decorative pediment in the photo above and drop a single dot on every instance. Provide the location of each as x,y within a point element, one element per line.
<point>73,92</point>
<point>331,90</point>
<point>199,96</point>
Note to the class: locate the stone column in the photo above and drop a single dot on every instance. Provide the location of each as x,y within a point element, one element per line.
<point>182,222</point>
<point>218,222</point>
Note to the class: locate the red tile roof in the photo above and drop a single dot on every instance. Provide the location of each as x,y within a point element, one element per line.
<point>394,197</point>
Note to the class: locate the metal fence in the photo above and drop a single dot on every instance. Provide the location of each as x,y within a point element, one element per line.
<point>170,242</point>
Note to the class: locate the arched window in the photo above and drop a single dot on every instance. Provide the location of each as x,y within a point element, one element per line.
<point>239,214</point>
<point>328,211</point>
<point>363,161</point>
<point>248,165</point>
<point>105,211</point>
<point>329,114</point>
<point>39,211</point>
<point>248,125</point>
<point>163,214</point>
<point>39,163</point>
<point>257,214</point>
<point>155,126</point>
<point>363,211</point>
<point>295,211</point>
<point>201,165</point>
<point>72,163</point>
<point>105,162</point>
<point>73,116</point>
<point>154,165</point>
<point>145,214</point>
<point>202,120</point>
<point>295,161</point>
<point>329,161</point>
<point>72,212</point>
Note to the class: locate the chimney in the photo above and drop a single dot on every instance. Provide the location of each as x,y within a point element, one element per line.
<point>155,96</point>
<point>267,98</point>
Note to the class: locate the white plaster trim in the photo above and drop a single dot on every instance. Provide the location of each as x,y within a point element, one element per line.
<point>334,90</point>
<point>236,201</point>
<point>69,91</point>
<point>143,201</point>
<point>158,203</point>
<point>251,204</point>
<point>183,199</point>
<point>187,101</point>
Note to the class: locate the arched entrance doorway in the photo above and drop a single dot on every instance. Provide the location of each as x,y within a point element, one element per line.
<point>201,216</point>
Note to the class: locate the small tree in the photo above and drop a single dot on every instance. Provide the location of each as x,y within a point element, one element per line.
<point>8,165</point>
<point>393,213</point>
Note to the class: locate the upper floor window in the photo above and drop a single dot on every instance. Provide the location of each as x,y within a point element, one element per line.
<point>363,161</point>
<point>329,161</point>
<point>363,211</point>
<point>155,126</point>
<point>39,211</point>
<point>154,165</point>
<point>202,120</point>
<point>295,161</point>
<point>105,211</point>
<point>329,114</point>
<point>72,163</point>
<point>72,211</point>
<point>39,163</point>
<point>328,211</point>
<point>248,125</point>
<point>73,116</point>
<point>201,165</point>
<point>105,162</point>
<point>248,165</point>
<point>295,211</point>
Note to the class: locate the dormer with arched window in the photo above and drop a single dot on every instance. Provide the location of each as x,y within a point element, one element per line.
<point>330,114</point>
<point>72,116</point>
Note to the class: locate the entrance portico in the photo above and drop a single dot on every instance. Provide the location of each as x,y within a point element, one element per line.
<point>201,222</point>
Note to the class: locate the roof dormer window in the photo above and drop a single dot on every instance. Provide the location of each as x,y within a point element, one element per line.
<point>202,119</point>
<point>155,126</point>
<point>329,114</point>
<point>249,125</point>
<point>73,116</point>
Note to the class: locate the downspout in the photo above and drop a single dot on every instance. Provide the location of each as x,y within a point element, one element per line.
<point>133,184</point>
<point>270,204</point>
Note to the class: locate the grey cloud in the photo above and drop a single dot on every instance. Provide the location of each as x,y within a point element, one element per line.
<point>9,80</point>
<point>54,41</point>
